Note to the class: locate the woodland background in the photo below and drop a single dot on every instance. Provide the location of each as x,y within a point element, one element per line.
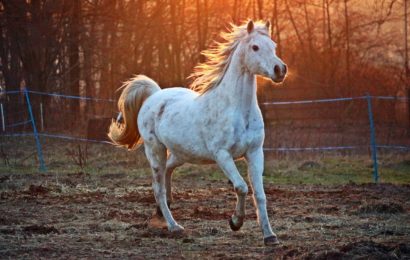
<point>334,48</point>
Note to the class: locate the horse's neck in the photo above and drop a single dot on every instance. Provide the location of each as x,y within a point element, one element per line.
<point>237,88</point>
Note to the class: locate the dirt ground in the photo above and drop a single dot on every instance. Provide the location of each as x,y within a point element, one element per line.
<point>94,216</point>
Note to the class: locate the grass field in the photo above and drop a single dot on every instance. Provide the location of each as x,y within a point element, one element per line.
<point>314,168</point>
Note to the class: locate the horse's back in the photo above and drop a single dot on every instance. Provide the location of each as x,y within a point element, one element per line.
<point>163,106</point>
<point>172,117</point>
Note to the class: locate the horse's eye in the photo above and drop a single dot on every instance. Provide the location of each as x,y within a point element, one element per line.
<point>255,47</point>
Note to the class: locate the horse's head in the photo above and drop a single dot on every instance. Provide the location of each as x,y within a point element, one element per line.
<point>260,53</point>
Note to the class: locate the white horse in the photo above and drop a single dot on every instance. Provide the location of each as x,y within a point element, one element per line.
<point>217,120</point>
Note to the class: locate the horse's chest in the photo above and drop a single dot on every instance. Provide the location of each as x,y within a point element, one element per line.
<point>237,136</point>
<point>244,139</point>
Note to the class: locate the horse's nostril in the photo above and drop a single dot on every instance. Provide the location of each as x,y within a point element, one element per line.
<point>276,69</point>
<point>285,69</point>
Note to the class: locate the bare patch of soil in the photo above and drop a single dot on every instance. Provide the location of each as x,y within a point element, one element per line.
<point>110,216</point>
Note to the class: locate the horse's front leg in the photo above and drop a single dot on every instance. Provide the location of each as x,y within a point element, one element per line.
<point>227,164</point>
<point>255,172</point>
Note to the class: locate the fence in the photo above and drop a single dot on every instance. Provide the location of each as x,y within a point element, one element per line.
<point>354,125</point>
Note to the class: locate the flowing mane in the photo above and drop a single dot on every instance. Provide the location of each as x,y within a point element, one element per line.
<point>208,74</point>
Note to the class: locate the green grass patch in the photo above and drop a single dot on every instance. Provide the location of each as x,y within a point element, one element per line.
<point>19,156</point>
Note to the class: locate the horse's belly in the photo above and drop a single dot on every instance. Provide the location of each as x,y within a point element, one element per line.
<point>239,149</point>
<point>190,154</point>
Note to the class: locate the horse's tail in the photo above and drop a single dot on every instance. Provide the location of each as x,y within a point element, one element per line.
<point>125,132</point>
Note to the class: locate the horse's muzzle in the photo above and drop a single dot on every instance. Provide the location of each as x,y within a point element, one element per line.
<point>278,79</point>
<point>279,73</point>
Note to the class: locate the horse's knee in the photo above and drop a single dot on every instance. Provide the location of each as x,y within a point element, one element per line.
<point>260,199</point>
<point>156,187</point>
<point>158,184</point>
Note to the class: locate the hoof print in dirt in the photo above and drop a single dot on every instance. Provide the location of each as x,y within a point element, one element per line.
<point>42,230</point>
<point>214,231</point>
<point>381,208</point>
<point>35,190</point>
<point>188,240</point>
<point>163,233</point>
<point>271,241</point>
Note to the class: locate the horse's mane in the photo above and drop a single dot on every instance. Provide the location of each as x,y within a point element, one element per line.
<point>208,74</point>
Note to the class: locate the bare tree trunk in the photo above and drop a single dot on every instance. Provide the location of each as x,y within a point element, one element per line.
<point>176,28</point>
<point>202,25</point>
<point>406,54</point>
<point>309,32</point>
<point>406,46</point>
<point>198,29</point>
<point>73,55</point>
<point>347,31</point>
<point>329,26</point>
<point>90,62</point>
<point>330,62</point>
<point>10,54</point>
<point>9,45</point>
<point>324,23</point>
<point>260,9</point>
<point>235,11</point>
<point>275,27</point>
<point>295,27</point>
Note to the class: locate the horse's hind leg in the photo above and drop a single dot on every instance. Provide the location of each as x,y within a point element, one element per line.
<point>172,163</point>
<point>156,154</point>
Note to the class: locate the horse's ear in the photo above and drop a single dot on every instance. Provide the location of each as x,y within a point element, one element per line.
<point>250,26</point>
<point>267,24</point>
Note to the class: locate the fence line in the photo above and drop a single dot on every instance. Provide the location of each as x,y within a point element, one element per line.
<point>373,145</point>
<point>58,136</point>
<point>399,147</point>
<point>57,95</point>
<point>279,149</point>
<point>324,148</point>
<point>391,98</point>
<point>325,100</point>
<point>67,137</point>
<point>6,92</point>
<point>17,124</point>
<point>71,97</point>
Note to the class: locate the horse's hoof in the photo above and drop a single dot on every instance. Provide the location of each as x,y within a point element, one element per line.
<point>233,226</point>
<point>177,229</point>
<point>271,241</point>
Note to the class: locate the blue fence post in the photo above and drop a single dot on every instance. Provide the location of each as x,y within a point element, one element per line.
<point>373,146</point>
<point>33,123</point>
